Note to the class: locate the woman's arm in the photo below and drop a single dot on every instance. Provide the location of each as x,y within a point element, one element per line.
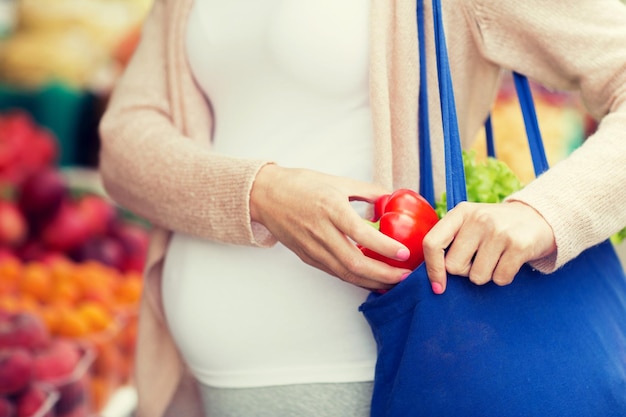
<point>151,168</point>
<point>580,201</point>
<point>570,45</point>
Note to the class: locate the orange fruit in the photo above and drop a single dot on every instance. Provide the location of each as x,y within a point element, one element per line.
<point>129,290</point>
<point>9,303</point>
<point>28,303</point>
<point>97,283</point>
<point>36,281</point>
<point>71,324</point>
<point>95,315</point>
<point>7,287</point>
<point>65,291</point>
<point>61,268</point>
<point>10,273</point>
<point>51,316</point>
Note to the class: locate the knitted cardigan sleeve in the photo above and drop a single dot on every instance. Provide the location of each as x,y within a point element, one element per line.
<point>575,45</point>
<point>148,162</point>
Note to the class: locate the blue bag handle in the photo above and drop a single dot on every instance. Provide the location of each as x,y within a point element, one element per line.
<point>491,143</point>
<point>455,174</point>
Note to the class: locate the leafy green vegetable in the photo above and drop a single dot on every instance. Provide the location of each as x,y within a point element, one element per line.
<point>488,181</point>
<point>491,181</point>
<point>619,237</point>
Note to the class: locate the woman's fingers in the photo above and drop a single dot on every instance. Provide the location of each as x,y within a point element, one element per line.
<point>362,233</point>
<point>435,246</point>
<point>335,253</point>
<point>486,242</point>
<point>310,213</point>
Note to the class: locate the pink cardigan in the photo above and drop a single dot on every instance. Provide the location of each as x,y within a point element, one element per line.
<point>156,158</point>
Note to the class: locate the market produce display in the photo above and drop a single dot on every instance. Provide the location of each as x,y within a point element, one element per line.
<point>25,147</point>
<point>41,375</point>
<point>87,303</point>
<point>60,61</point>
<point>41,216</point>
<point>76,42</point>
<point>70,275</point>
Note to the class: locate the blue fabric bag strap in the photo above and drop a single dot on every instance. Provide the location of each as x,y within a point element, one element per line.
<point>535,141</point>
<point>537,150</point>
<point>455,174</point>
<point>427,188</point>
<point>491,143</point>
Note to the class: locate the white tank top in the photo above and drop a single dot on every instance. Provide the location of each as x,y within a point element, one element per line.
<point>288,82</point>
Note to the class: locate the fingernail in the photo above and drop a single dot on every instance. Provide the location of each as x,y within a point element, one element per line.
<point>403,254</point>
<point>437,287</point>
<point>382,291</point>
<point>403,277</point>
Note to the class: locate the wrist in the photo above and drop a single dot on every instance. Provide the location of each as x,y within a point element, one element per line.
<point>265,180</point>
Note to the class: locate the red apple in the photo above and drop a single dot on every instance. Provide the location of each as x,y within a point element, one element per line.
<point>67,230</point>
<point>16,370</point>
<point>7,409</point>
<point>41,194</point>
<point>103,249</point>
<point>8,254</point>
<point>31,401</point>
<point>16,128</point>
<point>98,212</point>
<point>23,330</point>
<point>135,240</point>
<point>43,151</point>
<point>56,362</point>
<point>25,147</point>
<point>9,154</point>
<point>13,225</point>
<point>52,258</point>
<point>32,250</point>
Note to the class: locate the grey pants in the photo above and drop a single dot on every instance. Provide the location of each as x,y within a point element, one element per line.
<point>303,400</point>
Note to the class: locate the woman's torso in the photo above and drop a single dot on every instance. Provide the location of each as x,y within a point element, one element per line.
<point>288,82</point>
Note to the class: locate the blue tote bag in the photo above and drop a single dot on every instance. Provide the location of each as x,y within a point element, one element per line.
<point>546,345</point>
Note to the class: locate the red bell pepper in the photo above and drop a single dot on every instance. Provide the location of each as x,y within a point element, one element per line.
<point>407,217</point>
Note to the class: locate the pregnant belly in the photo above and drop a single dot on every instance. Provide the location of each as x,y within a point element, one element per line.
<point>245,316</point>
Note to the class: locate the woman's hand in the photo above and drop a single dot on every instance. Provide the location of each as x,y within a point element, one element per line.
<point>486,242</point>
<point>310,213</point>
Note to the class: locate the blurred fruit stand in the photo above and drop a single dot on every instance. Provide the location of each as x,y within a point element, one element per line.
<point>59,60</point>
<point>70,259</point>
